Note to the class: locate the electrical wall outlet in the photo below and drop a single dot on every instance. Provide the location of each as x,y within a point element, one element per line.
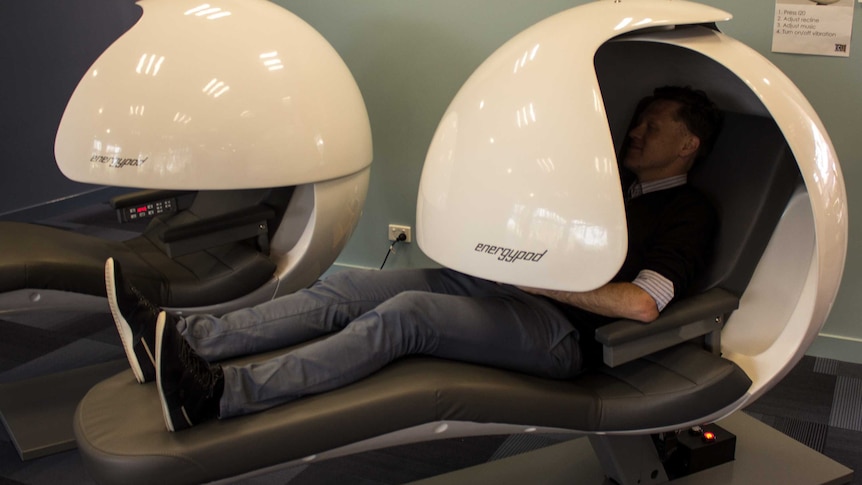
<point>395,230</point>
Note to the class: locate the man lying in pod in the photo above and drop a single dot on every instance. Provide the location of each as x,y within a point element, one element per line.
<point>370,318</point>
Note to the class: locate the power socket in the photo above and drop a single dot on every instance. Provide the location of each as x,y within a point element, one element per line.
<point>395,230</point>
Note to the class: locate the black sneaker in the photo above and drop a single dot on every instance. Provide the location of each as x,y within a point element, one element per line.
<point>189,387</point>
<point>135,318</point>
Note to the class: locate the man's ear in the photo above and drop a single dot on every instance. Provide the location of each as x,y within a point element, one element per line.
<point>691,146</point>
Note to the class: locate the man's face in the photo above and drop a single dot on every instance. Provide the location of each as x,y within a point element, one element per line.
<point>659,144</point>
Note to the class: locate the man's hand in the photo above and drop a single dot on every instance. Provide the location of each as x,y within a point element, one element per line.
<point>618,300</point>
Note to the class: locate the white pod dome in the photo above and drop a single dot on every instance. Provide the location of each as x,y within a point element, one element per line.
<point>523,163</point>
<point>520,184</point>
<point>234,94</point>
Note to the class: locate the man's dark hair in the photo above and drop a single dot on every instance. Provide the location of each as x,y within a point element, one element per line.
<point>700,115</point>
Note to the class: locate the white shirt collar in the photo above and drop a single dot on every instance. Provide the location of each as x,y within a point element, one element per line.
<point>638,189</point>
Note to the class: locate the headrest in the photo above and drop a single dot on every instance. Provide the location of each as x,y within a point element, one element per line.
<point>749,177</point>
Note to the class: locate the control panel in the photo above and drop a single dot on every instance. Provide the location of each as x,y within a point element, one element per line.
<point>147,210</point>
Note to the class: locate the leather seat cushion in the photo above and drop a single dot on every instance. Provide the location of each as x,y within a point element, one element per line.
<point>33,256</point>
<point>43,257</point>
<point>122,437</point>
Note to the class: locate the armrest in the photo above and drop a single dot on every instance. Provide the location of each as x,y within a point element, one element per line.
<point>205,233</point>
<point>626,340</point>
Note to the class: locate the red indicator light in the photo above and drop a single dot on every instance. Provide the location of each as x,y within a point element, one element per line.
<point>709,436</point>
<point>142,209</point>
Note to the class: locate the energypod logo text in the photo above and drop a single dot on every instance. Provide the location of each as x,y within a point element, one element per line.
<point>118,162</point>
<point>509,255</point>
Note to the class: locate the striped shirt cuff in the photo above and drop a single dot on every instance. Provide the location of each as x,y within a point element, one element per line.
<point>656,285</point>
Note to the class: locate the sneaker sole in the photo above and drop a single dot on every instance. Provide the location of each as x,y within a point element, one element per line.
<point>122,325</point>
<point>160,332</point>
<point>166,410</point>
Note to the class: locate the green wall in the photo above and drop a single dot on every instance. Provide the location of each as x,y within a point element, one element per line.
<point>410,57</point>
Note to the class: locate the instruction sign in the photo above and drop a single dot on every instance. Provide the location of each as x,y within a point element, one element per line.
<point>821,27</point>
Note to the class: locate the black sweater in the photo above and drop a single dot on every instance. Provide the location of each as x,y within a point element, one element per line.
<point>671,232</point>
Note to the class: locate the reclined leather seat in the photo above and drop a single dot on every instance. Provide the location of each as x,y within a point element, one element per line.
<point>659,390</point>
<point>773,177</point>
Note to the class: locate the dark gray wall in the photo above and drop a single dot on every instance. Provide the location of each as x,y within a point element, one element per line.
<point>45,48</point>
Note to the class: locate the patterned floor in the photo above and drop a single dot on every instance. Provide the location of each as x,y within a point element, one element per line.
<point>819,404</point>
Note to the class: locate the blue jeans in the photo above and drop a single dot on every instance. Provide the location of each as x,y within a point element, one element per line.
<point>371,318</point>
